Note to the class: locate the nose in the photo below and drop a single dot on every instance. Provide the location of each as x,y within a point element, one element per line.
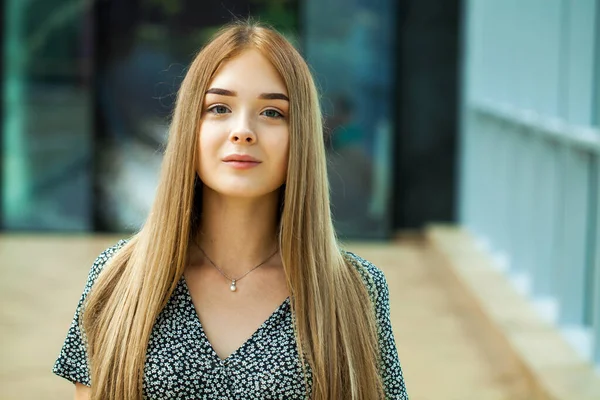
<point>242,133</point>
<point>242,137</point>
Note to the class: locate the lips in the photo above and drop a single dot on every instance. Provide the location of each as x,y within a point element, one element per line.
<point>241,161</point>
<point>240,158</point>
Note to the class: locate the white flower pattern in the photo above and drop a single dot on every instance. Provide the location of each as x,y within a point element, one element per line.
<point>181,363</point>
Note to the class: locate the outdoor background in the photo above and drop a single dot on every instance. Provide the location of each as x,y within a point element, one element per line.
<point>481,116</point>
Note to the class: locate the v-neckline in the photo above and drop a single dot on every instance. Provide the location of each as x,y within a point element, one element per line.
<point>196,318</point>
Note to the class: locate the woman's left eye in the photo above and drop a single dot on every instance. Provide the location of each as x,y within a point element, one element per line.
<point>272,113</point>
<point>218,109</point>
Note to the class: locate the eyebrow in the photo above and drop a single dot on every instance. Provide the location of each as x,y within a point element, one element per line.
<point>264,96</point>
<point>273,96</point>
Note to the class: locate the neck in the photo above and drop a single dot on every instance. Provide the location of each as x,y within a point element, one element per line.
<point>238,233</point>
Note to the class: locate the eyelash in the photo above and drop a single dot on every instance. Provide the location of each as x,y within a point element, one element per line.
<point>212,110</point>
<point>279,115</point>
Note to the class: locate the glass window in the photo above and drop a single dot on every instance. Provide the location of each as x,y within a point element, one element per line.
<point>596,103</point>
<point>143,50</point>
<point>351,56</point>
<point>87,93</point>
<point>46,152</point>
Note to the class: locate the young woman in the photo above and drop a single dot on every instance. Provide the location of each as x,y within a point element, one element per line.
<point>235,287</point>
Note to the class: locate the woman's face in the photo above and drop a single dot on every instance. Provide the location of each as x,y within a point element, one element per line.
<point>244,134</point>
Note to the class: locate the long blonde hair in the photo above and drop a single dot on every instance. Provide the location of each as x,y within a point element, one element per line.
<point>334,320</point>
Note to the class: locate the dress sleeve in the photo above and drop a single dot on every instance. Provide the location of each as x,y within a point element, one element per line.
<point>390,369</point>
<point>72,362</point>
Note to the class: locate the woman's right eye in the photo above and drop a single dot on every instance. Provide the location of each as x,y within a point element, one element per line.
<point>218,109</point>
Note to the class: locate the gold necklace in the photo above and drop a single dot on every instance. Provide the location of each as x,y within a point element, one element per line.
<point>233,286</point>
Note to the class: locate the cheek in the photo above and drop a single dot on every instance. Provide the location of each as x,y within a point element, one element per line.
<point>282,146</point>
<point>286,154</point>
<point>207,140</point>
<point>207,148</point>
<point>284,151</point>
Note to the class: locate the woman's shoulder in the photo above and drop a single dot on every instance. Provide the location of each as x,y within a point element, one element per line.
<point>101,261</point>
<point>372,276</point>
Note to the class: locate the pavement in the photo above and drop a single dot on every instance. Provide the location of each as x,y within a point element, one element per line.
<point>447,348</point>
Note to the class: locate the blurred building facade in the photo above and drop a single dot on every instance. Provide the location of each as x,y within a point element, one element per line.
<point>530,153</point>
<point>480,112</point>
<point>88,88</point>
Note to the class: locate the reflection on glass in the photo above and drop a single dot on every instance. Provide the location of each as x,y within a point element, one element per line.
<point>46,126</point>
<point>143,49</point>
<point>351,55</point>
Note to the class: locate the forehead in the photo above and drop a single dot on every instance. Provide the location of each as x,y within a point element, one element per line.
<point>249,72</point>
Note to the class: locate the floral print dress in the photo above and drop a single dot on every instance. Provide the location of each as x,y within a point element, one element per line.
<point>181,363</point>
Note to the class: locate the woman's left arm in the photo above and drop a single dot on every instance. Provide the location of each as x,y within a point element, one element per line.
<point>391,372</point>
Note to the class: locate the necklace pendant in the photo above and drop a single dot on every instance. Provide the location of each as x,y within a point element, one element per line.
<point>233,288</point>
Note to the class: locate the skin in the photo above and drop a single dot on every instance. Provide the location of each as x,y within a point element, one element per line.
<point>239,221</point>
<point>239,216</point>
<point>82,392</point>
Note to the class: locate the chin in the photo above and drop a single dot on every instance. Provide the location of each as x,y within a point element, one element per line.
<point>245,190</point>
